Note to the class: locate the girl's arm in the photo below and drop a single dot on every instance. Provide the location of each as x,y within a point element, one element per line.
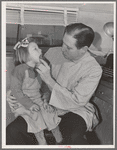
<point>17,78</point>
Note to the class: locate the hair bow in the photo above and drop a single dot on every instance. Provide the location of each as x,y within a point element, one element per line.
<point>23,43</point>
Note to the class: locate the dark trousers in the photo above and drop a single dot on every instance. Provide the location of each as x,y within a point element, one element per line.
<point>72,127</point>
<point>16,133</point>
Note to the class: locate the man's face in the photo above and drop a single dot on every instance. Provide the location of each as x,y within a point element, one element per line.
<point>69,49</point>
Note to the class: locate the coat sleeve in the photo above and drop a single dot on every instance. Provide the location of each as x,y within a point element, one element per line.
<point>45,91</point>
<point>17,78</point>
<point>80,94</point>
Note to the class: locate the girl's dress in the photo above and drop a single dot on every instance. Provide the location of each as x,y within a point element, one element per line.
<point>25,86</point>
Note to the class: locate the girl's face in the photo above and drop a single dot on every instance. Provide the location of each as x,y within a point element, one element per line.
<point>35,53</point>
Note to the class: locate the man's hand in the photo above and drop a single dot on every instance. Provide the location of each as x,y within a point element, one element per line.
<point>46,96</point>
<point>44,70</point>
<point>11,100</point>
<point>43,67</point>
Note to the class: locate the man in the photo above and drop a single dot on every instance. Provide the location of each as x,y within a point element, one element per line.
<point>73,78</point>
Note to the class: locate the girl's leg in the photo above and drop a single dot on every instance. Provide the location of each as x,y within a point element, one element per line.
<point>41,138</point>
<point>57,134</point>
<point>16,133</point>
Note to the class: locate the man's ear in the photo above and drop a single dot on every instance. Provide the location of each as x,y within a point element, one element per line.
<point>84,49</point>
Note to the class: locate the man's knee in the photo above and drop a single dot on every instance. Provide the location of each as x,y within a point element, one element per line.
<point>11,130</point>
<point>78,138</point>
<point>18,125</point>
<point>11,134</point>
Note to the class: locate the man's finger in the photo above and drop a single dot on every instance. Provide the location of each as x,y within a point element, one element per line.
<point>36,109</point>
<point>42,68</point>
<point>11,101</point>
<point>8,93</point>
<point>45,106</point>
<point>11,104</point>
<point>39,71</point>
<point>44,63</point>
<point>13,98</point>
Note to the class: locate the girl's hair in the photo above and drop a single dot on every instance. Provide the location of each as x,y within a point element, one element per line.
<point>83,34</point>
<point>21,53</point>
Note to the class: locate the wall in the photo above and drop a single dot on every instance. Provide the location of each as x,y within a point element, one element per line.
<point>97,20</point>
<point>53,32</point>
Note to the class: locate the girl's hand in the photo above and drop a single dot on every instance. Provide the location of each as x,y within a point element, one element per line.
<point>48,107</point>
<point>34,107</point>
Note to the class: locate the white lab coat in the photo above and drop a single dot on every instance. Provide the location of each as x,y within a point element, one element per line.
<point>76,82</point>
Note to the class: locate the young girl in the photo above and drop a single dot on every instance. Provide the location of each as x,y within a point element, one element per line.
<point>25,86</point>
